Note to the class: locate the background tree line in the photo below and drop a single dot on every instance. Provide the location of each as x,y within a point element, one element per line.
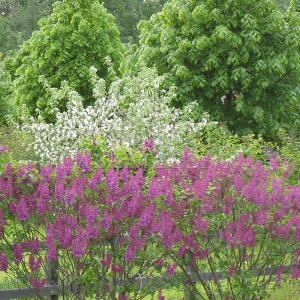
<point>19,18</point>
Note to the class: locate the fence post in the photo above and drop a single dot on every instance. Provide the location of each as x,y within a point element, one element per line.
<point>52,277</point>
<point>188,295</point>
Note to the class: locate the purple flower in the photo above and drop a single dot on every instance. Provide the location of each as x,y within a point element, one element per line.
<point>35,264</point>
<point>46,172</point>
<point>160,296</point>
<point>117,269</point>
<point>18,252</point>
<point>70,196</point>
<point>84,161</point>
<point>231,271</point>
<point>79,244</point>
<point>112,180</point>
<point>96,179</point>
<point>200,224</point>
<point>3,149</point>
<point>148,145</point>
<point>3,262</point>
<point>295,273</point>
<point>37,283</point>
<point>33,245</point>
<point>59,190</point>
<point>90,212</point>
<point>106,262</point>
<point>107,220</point>
<point>130,253</point>
<point>279,273</point>
<point>274,163</point>
<point>22,210</point>
<point>171,269</point>
<point>52,252</point>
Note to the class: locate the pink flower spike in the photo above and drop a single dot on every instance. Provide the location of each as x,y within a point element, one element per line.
<point>148,145</point>
<point>158,262</point>
<point>3,262</point>
<point>279,273</point>
<point>18,252</point>
<point>36,283</point>
<point>3,149</point>
<point>231,271</point>
<point>106,262</point>
<point>35,265</point>
<point>117,269</point>
<point>160,296</point>
<point>295,273</point>
<point>171,269</point>
<point>274,164</point>
<point>33,245</point>
<point>22,210</point>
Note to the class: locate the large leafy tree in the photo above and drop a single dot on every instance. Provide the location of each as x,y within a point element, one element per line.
<point>5,86</point>
<point>77,35</point>
<point>238,59</point>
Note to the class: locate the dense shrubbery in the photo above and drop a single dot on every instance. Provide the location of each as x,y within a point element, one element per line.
<point>5,90</point>
<point>134,109</point>
<point>117,225</point>
<point>238,59</point>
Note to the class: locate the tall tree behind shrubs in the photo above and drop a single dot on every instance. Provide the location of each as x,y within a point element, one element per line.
<point>239,59</point>
<point>77,35</point>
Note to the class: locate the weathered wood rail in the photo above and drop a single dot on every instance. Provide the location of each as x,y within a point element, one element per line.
<point>52,290</point>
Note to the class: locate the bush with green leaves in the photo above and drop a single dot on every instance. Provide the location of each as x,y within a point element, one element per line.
<point>239,59</point>
<point>5,87</point>
<point>289,150</point>
<point>134,109</point>
<point>217,142</point>
<point>77,35</point>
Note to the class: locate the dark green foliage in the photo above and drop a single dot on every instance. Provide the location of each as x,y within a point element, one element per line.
<point>5,88</point>
<point>18,19</point>
<point>238,59</point>
<point>77,35</point>
<point>129,12</point>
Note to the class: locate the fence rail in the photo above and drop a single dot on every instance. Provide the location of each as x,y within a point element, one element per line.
<point>52,291</point>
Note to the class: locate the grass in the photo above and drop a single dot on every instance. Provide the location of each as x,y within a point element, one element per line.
<point>18,143</point>
<point>289,290</point>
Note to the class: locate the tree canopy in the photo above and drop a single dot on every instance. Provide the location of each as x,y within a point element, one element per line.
<point>238,59</point>
<point>77,35</point>
<point>19,18</point>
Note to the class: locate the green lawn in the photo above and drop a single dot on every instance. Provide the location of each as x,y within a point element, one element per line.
<point>288,291</point>
<point>18,143</point>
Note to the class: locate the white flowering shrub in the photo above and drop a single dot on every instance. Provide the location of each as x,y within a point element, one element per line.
<point>134,109</point>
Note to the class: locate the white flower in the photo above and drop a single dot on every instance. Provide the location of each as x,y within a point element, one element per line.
<point>145,113</point>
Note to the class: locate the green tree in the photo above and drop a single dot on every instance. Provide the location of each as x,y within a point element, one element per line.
<point>238,59</point>
<point>77,35</point>
<point>5,86</point>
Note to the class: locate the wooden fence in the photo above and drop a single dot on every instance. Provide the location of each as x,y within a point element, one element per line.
<point>52,289</point>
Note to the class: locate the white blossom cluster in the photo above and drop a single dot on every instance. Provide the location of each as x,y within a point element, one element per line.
<point>134,109</point>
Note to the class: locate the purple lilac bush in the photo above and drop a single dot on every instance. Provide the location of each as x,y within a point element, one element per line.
<point>111,229</point>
